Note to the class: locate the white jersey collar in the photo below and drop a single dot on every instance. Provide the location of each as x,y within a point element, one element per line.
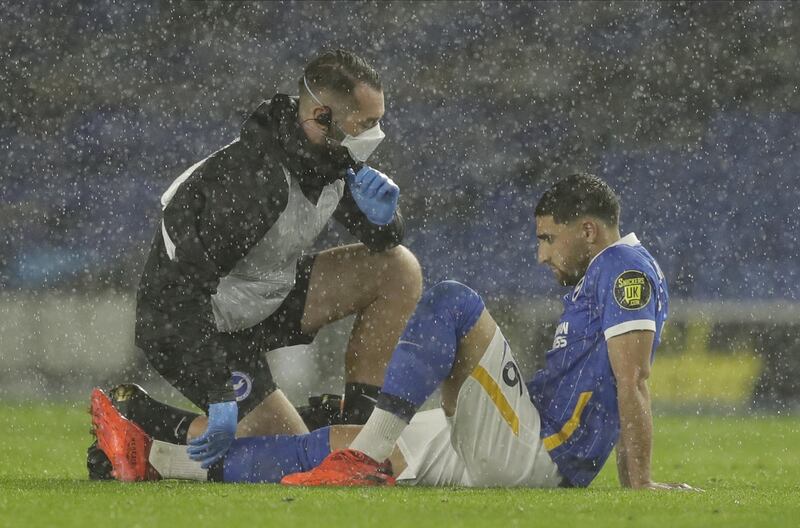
<point>628,240</point>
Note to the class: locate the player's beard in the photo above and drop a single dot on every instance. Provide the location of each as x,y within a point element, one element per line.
<point>573,276</point>
<point>569,279</point>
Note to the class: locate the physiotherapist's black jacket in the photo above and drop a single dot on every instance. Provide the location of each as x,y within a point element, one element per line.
<point>226,205</point>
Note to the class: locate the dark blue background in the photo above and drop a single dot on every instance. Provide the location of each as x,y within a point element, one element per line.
<point>690,112</point>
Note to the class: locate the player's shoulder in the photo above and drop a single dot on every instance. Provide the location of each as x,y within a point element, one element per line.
<point>625,262</point>
<point>623,256</point>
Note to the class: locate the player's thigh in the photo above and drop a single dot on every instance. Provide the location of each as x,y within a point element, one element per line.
<point>495,428</point>
<point>346,279</point>
<point>471,349</point>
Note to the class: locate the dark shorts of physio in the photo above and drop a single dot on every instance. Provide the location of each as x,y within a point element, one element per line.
<point>245,350</point>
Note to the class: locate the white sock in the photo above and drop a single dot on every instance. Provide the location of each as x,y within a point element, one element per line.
<point>379,435</point>
<point>173,462</point>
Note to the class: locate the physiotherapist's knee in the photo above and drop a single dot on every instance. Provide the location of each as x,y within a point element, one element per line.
<point>403,271</point>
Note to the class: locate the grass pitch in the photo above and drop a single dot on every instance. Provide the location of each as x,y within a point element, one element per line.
<point>750,468</point>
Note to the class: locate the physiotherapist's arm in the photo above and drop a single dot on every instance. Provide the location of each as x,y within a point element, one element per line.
<point>630,361</point>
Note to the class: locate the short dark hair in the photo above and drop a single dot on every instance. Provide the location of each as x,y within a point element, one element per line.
<point>339,71</point>
<point>579,195</point>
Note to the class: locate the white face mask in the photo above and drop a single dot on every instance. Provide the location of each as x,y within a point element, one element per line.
<point>364,144</point>
<point>360,146</point>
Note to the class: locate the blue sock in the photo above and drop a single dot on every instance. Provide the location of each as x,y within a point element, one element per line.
<point>426,351</point>
<point>270,458</point>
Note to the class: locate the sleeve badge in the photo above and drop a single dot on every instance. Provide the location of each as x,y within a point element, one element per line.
<point>632,290</point>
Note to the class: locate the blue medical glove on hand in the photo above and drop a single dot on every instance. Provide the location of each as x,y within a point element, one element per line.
<point>221,430</point>
<point>375,193</point>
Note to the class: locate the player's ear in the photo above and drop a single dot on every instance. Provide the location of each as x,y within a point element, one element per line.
<point>589,230</point>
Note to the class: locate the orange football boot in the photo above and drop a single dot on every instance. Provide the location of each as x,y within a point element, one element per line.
<point>345,467</point>
<point>125,444</point>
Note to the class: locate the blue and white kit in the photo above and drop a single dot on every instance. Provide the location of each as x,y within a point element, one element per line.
<point>559,428</point>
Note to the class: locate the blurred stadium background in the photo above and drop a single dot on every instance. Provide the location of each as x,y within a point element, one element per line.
<point>690,110</point>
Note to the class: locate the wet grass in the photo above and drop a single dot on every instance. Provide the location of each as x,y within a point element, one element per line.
<point>749,466</point>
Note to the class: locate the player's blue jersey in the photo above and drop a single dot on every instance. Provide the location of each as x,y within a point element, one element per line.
<point>576,395</point>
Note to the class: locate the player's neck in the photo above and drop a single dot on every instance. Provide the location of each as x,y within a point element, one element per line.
<point>605,238</point>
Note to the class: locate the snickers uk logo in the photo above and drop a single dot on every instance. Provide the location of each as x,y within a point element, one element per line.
<point>632,290</point>
<point>560,340</point>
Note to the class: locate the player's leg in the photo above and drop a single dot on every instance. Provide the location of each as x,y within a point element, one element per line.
<point>135,455</point>
<point>440,345</point>
<point>495,428</point>
<point>259,459</point>
<point>382,289</point>
<point>423,359</point>
<point>265,408</point>
<point>262,459</point>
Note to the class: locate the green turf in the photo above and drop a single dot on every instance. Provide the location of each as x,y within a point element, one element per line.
<point>750,468</point>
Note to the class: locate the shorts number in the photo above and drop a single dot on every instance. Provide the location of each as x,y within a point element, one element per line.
<point>511,376</point>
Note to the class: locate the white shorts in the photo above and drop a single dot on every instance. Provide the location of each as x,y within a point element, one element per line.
<point>491,440</point>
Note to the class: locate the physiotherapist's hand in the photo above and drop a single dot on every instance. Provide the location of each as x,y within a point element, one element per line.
<point>215,441</point>
<point>375,193</point>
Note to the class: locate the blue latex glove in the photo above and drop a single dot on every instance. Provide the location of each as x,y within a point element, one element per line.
<point>375,193</point>
<point>215,441</point>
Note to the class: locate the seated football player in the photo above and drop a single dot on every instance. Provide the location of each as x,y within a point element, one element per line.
<point>493,429</point>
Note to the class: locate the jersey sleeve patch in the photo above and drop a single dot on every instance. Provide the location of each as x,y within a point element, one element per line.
<point>632,290</point>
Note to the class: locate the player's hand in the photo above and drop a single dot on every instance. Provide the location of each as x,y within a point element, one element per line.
<point>375,193</point>
<point>218,436</point>
<point>667,486</point>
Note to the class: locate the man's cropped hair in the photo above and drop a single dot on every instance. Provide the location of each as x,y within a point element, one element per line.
<point>579,195</point>
<point>339,71</point>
